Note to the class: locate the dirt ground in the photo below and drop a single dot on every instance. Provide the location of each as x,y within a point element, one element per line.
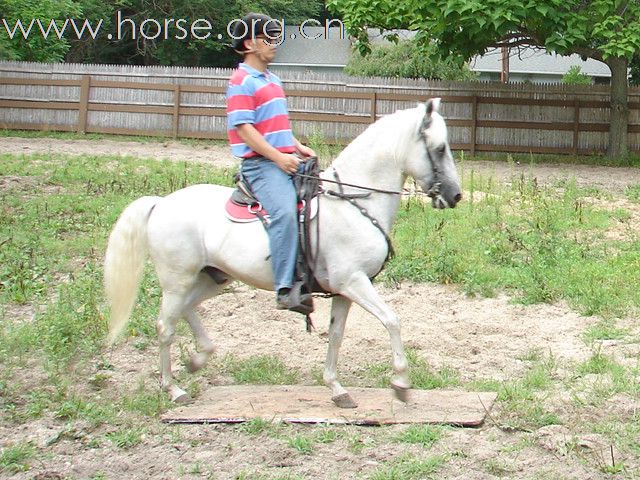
<point>481,338</point>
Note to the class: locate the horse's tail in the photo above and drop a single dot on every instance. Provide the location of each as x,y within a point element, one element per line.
<point>124,262</point>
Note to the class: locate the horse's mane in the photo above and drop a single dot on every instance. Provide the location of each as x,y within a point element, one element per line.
<point>389,132</point>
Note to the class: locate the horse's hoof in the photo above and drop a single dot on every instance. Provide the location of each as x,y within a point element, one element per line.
<point>344,400</point>
<point>401,393</point>
<point>184,399</point>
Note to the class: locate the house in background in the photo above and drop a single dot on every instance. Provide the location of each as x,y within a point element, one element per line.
<point>537,66</point>
<point>318,49</point>
<point>314,49</point>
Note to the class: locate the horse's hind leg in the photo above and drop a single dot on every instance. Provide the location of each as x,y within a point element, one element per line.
<point>171,311</point>
<point>339,311</point>
<point>360,290</point>
<point>176,305</point>
<point>207,287</point>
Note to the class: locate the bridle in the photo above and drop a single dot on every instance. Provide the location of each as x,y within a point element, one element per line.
<point>433,192</point>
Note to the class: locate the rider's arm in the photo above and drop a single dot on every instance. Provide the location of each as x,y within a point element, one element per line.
<point>256,142</point>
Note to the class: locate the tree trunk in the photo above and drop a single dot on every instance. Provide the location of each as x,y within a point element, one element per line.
<point>618,137</point>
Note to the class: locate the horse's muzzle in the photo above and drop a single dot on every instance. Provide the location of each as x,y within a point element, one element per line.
<point>440,199</point>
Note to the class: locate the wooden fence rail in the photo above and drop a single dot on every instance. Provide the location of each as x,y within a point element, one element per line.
<point>479,121</point>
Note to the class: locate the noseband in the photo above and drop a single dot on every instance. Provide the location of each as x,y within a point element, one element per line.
<point>434,190</point>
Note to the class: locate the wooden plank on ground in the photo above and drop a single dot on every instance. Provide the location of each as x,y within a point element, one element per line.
<point>302,404</point>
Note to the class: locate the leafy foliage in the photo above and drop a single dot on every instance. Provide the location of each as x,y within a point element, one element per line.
<point>605,30</point>
<point>35,48</point>
<point>406,60</point>
<point>598,28</point>
<point>172,46</point>
<point>575,77</point>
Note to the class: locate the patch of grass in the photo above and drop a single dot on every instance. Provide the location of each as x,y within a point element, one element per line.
<point>425,435</point>
<point>75,408</point>
<point>408,467</point>
<point>15,458</point>
<point>260,370</point>
<point>126,437</point>
<point>327,435</point>
<point>599,364</point>
<point>604,330</point>
<point>421,374</point>
<point>53,229</point>
<point>104,136</point>
<point>147,401</point>
<point>523,399</point>
<point>535,243</point>
<point>259,426</point>
<point>498,467</point>
<point>541,158</point>
<point>262,476</point>
<point>532,355</point>
<point>633,193</point>
<point>301,443</point>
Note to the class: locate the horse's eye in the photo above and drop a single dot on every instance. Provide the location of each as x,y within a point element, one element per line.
<point>441,149</point>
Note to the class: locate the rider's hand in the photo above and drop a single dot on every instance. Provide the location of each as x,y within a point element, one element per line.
<point>305,151</point>
<point>288,163</point>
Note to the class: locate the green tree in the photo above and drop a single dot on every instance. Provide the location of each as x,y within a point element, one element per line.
<point>35,47</point>
<point>188,51</point>
<point>138,49</point>
<point>605,30</point>
<point>406,60</point>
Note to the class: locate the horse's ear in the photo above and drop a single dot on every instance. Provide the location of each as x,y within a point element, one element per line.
<point>432,105</point>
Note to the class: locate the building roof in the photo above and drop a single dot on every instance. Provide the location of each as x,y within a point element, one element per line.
<point>313,46</point>
<point>538,61</point>
<point>316,46</point>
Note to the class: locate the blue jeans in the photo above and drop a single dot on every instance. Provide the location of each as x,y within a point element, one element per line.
<point>274,189</point>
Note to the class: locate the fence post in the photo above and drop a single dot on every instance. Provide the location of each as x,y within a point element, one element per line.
<point>576,126</point>
<point>474,124</point>
<point>85,85</point>
<point>374,106</point>
<point>176,111</point>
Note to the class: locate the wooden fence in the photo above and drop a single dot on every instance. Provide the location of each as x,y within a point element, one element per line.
<point>180,102</point>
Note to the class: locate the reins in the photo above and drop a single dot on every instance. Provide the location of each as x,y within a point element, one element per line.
<point>344,184</point>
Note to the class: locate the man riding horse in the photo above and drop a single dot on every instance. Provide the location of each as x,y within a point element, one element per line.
<point>260,134</point>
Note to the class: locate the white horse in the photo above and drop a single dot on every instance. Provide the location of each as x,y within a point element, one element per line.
<point>197,251</point>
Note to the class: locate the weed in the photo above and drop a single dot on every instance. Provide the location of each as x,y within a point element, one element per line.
<point>421,374</point>
<point>604,330</point>
<point>408,467</point>
<point>15,458</point>
<point>425,435</point>
<point>599,364</point>
<point>126,437</point>
<point>327,435</point>
<point>262,370</point>
<point>498,468</point>
<point>537,244</point>
<point>146,401</point>
<point>633,193</point>
<point>301,443</point>
<point>258,426</point>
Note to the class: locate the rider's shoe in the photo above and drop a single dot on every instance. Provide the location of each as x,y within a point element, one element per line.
<point>288,299</point>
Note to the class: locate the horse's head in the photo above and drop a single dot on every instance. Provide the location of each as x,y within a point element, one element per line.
<point>433,168</point>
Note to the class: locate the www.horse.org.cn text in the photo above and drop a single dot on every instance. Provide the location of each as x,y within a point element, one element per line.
<point>163,29</point>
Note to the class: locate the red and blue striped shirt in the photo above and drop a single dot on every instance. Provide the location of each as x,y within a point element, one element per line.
<point>257,98</point>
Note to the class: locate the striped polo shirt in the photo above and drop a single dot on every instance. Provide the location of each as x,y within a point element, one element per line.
<point>258,98</point>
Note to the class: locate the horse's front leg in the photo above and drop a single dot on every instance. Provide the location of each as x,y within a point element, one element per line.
<point>170,313</point>
<point>360,290</point>
<point>339,311</point>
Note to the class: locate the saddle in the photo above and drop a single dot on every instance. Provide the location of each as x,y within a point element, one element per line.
<point>243,207</point>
